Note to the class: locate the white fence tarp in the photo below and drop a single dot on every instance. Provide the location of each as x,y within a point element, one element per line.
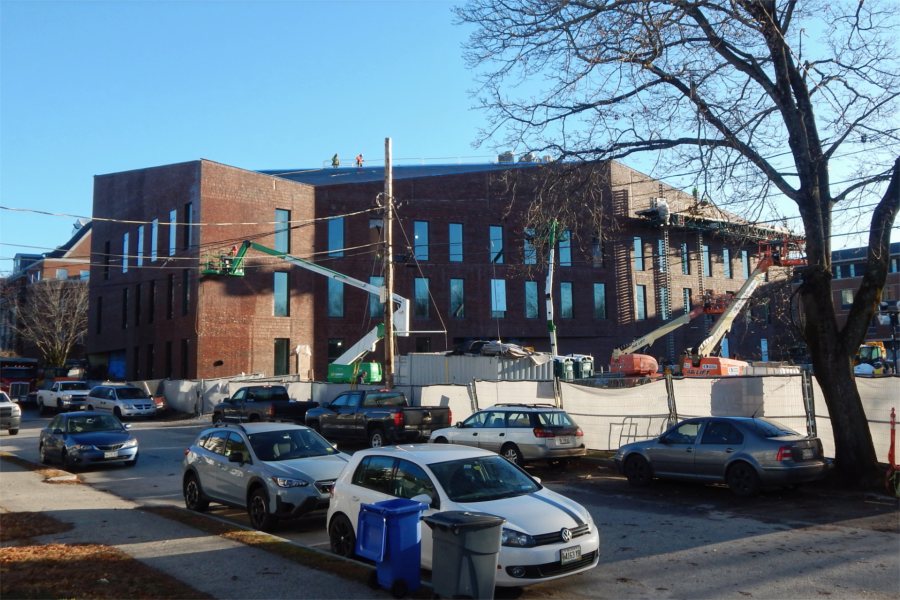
<point>488,393</point>
<point>455,396</point>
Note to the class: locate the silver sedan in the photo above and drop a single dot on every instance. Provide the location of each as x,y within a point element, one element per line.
<point>744,452</point>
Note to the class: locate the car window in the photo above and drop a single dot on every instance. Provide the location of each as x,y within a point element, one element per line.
<point>73,385</point>
<point>770,429</point>
<point>239,395</point>
<point>375,473</point>
<point>235,443</point>
<point>481,479</point>
<point>686,433</point>
<point>518,419</point>
<point>476,420</point>
<point>341,401</point>
<point>720,432</point>
<point>86,424</point>
<point>555,418</point>
<point>495,419</point>
<point>288,444</point>
<point>131,393</point>
<point>56,423</point>
<point>216,442</point>
<point>411,480</point>
<point>385,400</point>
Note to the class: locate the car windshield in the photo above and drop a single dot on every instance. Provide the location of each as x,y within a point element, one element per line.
<point>87,424</point>
<point>482,478</point>
<point>288,444</point>
<point>556,418</point>
<point>73,385</point>
<point>772,429</point>
<point>131,394</point>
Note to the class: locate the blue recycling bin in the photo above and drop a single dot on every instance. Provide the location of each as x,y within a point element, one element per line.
<point>390,534</point>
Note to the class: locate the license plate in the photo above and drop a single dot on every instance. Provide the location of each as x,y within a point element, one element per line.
<point>807,453</point>
<point>569,555</point>
<point>563,441</point>
<point>111,454</point>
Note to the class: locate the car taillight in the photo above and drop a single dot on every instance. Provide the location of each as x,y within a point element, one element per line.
<point>579,432</point>
<point>540,432</point>
<point>398,419</point>
<point>449,417</point>
<point>785,453</point>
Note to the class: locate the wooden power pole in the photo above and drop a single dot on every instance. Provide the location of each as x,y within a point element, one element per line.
<point>389,267</point>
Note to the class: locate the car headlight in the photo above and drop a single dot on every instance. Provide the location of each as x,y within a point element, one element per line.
<point>511,537</point>
<point>82,448</point>
<point>287,482</point>
<point>130,444</point>
<point>67,397</point>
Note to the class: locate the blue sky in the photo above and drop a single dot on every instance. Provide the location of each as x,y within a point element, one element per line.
<point>99,87</point>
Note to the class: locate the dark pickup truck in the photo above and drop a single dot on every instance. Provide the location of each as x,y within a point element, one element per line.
<point>262,403</point>
<point>378,418</point>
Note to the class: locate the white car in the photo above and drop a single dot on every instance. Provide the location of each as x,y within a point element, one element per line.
<point>546,535</point>
<point>121,400</point>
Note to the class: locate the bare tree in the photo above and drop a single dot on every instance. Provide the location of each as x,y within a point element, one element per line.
<point>763,100</point>
<point>51,314</point>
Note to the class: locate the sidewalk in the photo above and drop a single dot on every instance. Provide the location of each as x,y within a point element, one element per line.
<point>209,563</point>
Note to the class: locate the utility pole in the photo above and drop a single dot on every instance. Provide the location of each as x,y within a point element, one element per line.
<point>389,267</point>
<point>548,289</point>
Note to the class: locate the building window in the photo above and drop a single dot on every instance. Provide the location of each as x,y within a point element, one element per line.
<point>597,258</point>
<point>685,259</point>
<point>137,304</point>
<point>456,242</point>
<point>335,348</point>
<point>173,223</point>
<point>565,249</point>
<point>281,294</point>
<point>185,291</point>
<point>421,298</point>
<point>895,265</point>
<point>496,243</point>
<point>85,275</point>
<point>707,265</point>
<point>188,221</point>
<point>529,253</point>
<point>726,263</point>
<point>745,264</point>
<point>498,298</point>
<point>99,315</point>
<point>420,243</point>
<point>599,301</point>
<point>154,239</point>
<point>846,298</point>
<point>661,255</point>
<point>531,300</point>
<point>282,230</point>
<point>457,299</point>
<point>185,357</point>
<point>282,364</point>
<point>852,270</point>
<point>106,260</point>
<point>124,252</point>
<point>686,299</point>
<point>376,308</point>
<point>124,308</point>
<point>637,262</point>
<point>838,272</point>
<point>151,301</point>
<point>170,297</point>
<point>336,237</point>
<point>140,246</point>
<point>640,302</point>
<point>335,298</point>
<point>565,300</point>
<point>62,274</point>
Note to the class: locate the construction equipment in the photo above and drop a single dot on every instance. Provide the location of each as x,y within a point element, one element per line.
<point>870,353</point>
<point>699,362</point>
<point>347,367</point>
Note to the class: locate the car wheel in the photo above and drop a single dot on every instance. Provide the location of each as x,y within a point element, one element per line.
<point>132,462</point>
<point>742,479</point>
<point>193,494</point>
<point>342,537</point>
<point>42,452</point>
<point>118,413</point>
<point>258,511</point>
<point>216,419</point>
<point>638,471</point>
<point>59,406</point>
<point>13,431</point>
<point>90,407</point>
<point>512,453</point>
<point>376,438</point>
<point>440,440</point>
<point>253,418</point>
<point>41,408</point>
<point>67,461</point>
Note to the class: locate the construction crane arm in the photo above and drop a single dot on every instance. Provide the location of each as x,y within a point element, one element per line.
<point>663,330</point>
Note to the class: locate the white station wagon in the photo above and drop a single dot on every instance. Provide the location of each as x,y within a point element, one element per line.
<point>546,535</point>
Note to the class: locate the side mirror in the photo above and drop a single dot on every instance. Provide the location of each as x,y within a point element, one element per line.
<point>126,425</point>
<point>459,425</point>
<point>536,479</point>
<point>426,499</point>
<point>664,440</point>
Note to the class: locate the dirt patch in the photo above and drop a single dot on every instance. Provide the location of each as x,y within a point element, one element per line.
<point>26,525</point>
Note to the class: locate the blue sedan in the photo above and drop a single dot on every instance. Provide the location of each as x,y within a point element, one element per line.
<point>78,439</point>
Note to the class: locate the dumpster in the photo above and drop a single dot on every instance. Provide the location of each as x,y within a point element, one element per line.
<point>465,546</point>
<point>390,534</point>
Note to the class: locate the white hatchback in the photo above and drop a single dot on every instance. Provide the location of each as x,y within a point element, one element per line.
<point>546,535</point>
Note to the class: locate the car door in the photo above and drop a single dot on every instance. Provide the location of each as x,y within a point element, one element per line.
<point>492,434</point>
<point>468,430</point>
<point>372,482</point>
<point>673,454</point>
<point>210,463</point>
<point>232,409</point>
<point>328,422</point>
<point>345,414</point>
<point>53,442</point>
<point>411,480</point>
<point>103,399</point>
<point>233,475</point>
<point>719,442</point>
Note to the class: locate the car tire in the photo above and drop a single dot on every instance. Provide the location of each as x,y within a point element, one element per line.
<point>41,408</point>
<point>90,407</point>
<point>194,499</point>
<point>512,453</point>
<point>742,479</point>
<point>59,406</point>
<point>216,419</point>
<point>258,510</point>
<point>440,440</point>
<point>117,412</point>
<point>342,536</point>
<point>376,438</point>
<point>13,431</point>
<point>638,471</point>
<point>42,452</point>
<point>67,461</point>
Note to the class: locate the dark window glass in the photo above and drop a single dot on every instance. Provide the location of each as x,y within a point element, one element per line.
<point>375,473</point>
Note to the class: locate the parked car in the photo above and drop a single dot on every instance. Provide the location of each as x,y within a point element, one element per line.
<point>262,403</point>
<point>121,400</point>
<point>78,439</point>
<point>274,470</point>
<point>63,395</point>
<point>747,453</point>
<point>10,414</point>
<point>519,432</point>
<point>546,535</point>
<point>377,417</point>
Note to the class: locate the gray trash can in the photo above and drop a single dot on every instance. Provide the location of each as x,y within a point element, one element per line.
<point>464,553</point>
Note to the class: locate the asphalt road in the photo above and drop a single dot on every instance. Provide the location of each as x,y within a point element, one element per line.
<point>671,540</point>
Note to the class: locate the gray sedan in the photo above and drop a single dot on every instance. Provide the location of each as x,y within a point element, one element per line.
<point>744,452</point>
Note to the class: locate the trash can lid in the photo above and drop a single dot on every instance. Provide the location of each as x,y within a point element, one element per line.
<point>398,506</point>
<point>462,519</point>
